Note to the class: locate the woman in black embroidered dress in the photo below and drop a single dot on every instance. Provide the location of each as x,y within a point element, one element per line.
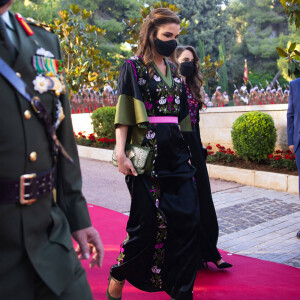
<point>188,60</point>
<point>162,245</point>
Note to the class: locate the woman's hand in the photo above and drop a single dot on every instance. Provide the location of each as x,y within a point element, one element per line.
<point>125,165</point>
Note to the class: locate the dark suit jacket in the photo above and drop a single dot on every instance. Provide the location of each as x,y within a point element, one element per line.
<point>293,114</point>
<point>42,230</point>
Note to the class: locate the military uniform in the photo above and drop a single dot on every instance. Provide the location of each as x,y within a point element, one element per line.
<point>37,259</point>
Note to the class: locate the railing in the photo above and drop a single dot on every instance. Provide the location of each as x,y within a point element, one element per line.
<point>88,102</point>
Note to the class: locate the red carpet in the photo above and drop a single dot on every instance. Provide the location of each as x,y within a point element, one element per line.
<point>249,279</point>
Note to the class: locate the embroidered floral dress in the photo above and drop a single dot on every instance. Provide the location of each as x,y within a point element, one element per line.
<point>193,106</point>
<point>162,244</point>
<point>209,224</point>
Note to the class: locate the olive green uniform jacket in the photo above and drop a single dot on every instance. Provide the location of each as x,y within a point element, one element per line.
<point>40,231</point>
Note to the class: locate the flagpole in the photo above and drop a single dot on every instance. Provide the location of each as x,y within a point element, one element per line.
<point>245,77</point>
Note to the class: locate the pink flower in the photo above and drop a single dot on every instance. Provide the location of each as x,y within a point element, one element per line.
<point>148,105</point>
<point>159,246</point>
<point>170,99</point>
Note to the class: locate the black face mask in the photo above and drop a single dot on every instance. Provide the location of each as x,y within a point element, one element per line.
<point>187,68</point>
<point>3,2</point>
<point>165,48</point>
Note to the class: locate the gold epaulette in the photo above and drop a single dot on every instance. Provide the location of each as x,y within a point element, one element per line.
<point>43,25</point>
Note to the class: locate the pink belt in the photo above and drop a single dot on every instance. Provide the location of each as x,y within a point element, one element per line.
<point>163,119</point>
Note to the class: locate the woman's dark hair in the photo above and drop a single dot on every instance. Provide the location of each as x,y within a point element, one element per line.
<point>194,82</point>
<point>148,31</point>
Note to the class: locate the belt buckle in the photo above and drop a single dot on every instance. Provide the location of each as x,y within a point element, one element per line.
<point>23,185</point>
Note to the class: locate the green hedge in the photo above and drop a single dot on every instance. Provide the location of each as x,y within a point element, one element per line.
<point>254,135</point>
<point>103,122</point>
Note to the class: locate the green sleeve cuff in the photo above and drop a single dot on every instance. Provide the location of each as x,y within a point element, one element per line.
<point>130,111</point>
<point>185,124</point>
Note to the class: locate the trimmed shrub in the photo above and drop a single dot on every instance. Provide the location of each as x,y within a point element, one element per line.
<point>103,122</point>
<point>254,135</point>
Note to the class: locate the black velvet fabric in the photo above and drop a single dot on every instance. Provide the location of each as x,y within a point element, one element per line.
<point>209,224</point>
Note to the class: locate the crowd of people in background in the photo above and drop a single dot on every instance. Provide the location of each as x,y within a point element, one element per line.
<point>256,96</point>
<point>88,100</point>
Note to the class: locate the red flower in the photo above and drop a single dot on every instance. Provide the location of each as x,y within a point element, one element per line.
<point>278,151</point>
<point>208,147</point>
<point>92,137</point>
<point>218,145</point>
<point>270,156</point>
<point>293,157</point>
<point>287,156</point>
<point>278,157</point>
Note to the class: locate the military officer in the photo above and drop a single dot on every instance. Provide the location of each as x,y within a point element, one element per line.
<point>40,187</point>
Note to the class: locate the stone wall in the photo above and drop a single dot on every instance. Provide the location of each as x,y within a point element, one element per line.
<point>216,123</point>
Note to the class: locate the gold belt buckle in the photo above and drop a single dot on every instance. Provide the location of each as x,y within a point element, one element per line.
<point>23,185</point>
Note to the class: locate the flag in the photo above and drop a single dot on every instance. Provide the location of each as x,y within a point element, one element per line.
<point>245,77</point>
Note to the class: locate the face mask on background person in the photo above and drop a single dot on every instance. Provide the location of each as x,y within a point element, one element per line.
<point>3,2</point>
<point>165,48</point>
<point>187,68</point>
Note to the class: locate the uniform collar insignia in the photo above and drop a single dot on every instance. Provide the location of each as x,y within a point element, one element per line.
<point>24,25</point>
<point>43,52</point>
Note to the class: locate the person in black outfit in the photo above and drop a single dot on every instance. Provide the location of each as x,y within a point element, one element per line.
<point>190,71</point>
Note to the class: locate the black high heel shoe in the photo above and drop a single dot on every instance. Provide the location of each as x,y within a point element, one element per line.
<point>223,265</point>
<point>108,296</point>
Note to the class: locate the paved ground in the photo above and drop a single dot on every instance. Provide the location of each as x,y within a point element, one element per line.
<point>254,222</point>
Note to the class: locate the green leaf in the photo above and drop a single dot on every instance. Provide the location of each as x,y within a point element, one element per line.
<point>281,52</point>
<point>292,47</point>
<point>297,52</point>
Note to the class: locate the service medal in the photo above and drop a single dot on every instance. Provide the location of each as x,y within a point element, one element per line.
<point>57,87</point>
<point>43,52</point>
<point>49,68</point>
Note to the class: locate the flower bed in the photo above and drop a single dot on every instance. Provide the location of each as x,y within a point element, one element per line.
<point>92,141</point>
<point>278,162</point>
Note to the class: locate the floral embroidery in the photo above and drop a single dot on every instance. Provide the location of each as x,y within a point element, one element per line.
<point>141,81</point>
<point>177,100</point>
<point>148,105</point>
<point>155,89</point>
<point>134,58</point>
<point>159,251</point>
<point>193,105</point>
<point>170,99</point>
<point>177,80</point>
<point>150,135</point>
<point>121,256</point>
<point>162,100</point>
<point>156,78</point>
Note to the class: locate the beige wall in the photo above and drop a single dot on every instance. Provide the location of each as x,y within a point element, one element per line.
<point>216,123</point>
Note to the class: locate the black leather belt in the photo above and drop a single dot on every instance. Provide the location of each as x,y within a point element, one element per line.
<point>28,188</point>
